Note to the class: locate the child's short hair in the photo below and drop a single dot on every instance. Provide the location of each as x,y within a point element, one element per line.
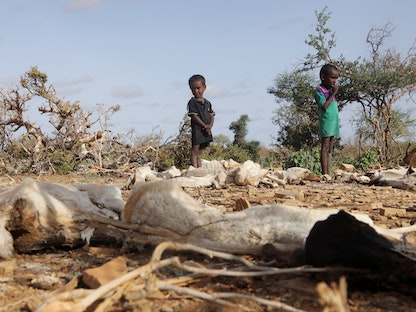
<point>326,69</point>
<point>196,78</point>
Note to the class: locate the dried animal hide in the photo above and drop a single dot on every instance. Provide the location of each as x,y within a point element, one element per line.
<point>36,215</point>
<point>165,205</point>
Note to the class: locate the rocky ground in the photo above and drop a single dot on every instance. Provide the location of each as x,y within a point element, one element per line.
<point>29,279</point>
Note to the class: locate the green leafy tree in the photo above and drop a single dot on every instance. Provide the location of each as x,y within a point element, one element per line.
<point>239,127</point>
<point>377,83</point>
<point>296,117</point>
<point>223,140</point>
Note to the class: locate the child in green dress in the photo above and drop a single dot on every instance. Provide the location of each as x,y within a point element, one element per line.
<point>327,113</point>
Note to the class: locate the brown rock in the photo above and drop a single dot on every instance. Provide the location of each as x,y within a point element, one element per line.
<point>290,194</point>
<point>392,211</point>
<point>7,267</point>
<point>241,204</point>
<point>347,167</point>
<point>95,277</point>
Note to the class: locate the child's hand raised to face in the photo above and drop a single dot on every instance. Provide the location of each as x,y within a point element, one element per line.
<point>335,89</point>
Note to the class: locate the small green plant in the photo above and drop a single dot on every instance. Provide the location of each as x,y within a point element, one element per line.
<point>218,152</point>
<point>368,158</point>
<point>62,162</point>
<point>166,159</point>
<point>304,159</point>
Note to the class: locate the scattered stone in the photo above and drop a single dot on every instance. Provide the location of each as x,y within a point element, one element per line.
<point>392,211</point>
<point>347,167</point>
<point>241,204</point>
<point>7,267</point>
<point>290,194</point>
<point>95,277</point>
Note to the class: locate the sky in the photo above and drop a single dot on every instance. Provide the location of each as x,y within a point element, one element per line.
<point>139,54</point>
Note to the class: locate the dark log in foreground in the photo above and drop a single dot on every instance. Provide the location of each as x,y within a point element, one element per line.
<point>343,240</point>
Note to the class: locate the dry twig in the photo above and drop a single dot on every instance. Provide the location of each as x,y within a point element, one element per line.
<point>144,282</point>
<point>334,298</point>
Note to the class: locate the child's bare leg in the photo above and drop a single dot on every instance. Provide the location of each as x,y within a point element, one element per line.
<point>325,155</point>
<point>199,162</point>
<point>195,159</point>
<point>329,158</point>
<point>201,148</point>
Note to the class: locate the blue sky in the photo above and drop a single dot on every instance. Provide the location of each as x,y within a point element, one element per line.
<point>139,54</point>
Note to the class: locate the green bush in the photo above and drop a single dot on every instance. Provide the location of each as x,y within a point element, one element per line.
<point>304,159</point>
<point>368,158</point>
<point>166,159</point>
<point>62,162</point>
<point>218,152</point>
<point>361,161</point>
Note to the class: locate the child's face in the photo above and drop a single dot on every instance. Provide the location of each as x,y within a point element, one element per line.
<point>197,88</point>
<point>330,79</point>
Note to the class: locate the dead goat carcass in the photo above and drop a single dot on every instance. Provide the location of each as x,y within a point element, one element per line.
<point>36,215</point>
<point>163,204</point>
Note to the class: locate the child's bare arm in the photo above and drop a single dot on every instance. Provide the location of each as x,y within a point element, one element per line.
<point>199,121</point>
<point>331,97</point>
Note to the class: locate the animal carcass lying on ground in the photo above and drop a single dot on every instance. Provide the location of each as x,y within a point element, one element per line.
<point>320,237</point>
<point>165,205</point>
<point>35,215</point>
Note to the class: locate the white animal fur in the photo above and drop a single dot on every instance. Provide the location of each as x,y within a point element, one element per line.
<point>163,204</point>
<point>48,209</point>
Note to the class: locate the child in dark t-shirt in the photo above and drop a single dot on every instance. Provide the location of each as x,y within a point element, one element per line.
<point>202,118</point>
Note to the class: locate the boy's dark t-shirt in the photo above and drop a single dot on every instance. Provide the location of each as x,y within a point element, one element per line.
<point>204,111</point>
